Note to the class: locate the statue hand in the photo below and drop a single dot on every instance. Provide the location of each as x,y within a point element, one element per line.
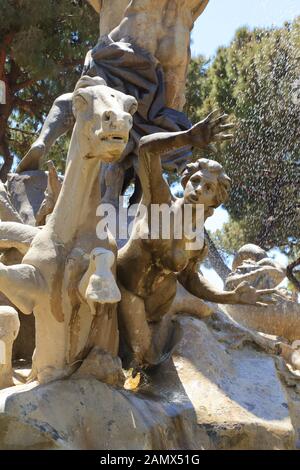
<point>212,129</point>
<point>248,295</point>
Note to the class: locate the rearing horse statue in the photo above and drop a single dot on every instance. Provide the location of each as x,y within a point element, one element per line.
<point>67,277</point>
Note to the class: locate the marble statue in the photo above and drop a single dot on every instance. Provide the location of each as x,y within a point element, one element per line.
<point>229,360</point>
<point>51,194</point>
<point>148,269</point>
<point>252,264</point>
<point>67,276</point>
<point>7,210</point>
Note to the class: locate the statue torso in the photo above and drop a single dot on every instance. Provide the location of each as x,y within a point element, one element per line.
<point>162,27</point>
<point>153,265</point>
<point>150,22</point>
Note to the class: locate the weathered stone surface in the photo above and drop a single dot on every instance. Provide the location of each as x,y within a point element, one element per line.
<point>26,192</point>
<point>7,211</point>
<point>251,264</point>
<point>67,276</point>
<point>293,394</point>
<point>281,319</point>
<point>9,328</point>
<point>20,203</point>
<point>207,397</point>
<point>161,27</point>
<point>233,391</point>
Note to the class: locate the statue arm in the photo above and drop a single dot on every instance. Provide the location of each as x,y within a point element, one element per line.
<point>155,188</point>
<point>195,283</point>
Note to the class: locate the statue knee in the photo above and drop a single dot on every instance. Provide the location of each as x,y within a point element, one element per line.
<point>64,100</point>
<point>64,104</point>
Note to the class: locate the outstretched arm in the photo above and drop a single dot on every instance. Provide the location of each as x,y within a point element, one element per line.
<point>196,284</point>
<point>155,189</point>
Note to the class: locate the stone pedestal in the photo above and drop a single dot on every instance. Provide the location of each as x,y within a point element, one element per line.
<point>208,396</point>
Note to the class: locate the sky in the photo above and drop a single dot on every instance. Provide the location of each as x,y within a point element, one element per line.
<point>217,25</point>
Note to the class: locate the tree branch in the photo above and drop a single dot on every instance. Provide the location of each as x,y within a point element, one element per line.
<point>21,130</point>
<point>6,42</point>
<point>8,161</point>
<point>25,84</point>
<point>27,106</point>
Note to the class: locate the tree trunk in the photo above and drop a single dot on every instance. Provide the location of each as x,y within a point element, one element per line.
<point>8,161</point>
<point>5,109</point>
<point>216,259</point>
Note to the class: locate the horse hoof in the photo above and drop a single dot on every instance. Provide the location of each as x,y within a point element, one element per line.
<point>102,290</point>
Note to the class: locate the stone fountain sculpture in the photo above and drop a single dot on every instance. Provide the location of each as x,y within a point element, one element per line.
<point>216,384</point>
<point>67,277</point>
<point>205,363</point>
<point>251,264</point>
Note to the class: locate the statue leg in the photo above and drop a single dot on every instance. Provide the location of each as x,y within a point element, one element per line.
<point>134,326</point>
<point>21,284</point>
<point>98,285</point>
<point>187,304</point>
<point>16,235</point>
<point>167,334</point>
<point>150,343</point>
<point>59,120</point>
<point>175,86</point>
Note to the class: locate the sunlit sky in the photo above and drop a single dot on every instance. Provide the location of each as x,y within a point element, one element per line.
<point>217,25</point>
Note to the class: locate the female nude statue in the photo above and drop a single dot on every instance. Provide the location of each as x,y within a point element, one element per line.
<point>148,270</point>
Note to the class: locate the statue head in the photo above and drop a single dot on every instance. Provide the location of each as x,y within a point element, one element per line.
<point>252,264</point>
<point>205,182</point>
<point>104,116</point>
<point>252,254</point>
